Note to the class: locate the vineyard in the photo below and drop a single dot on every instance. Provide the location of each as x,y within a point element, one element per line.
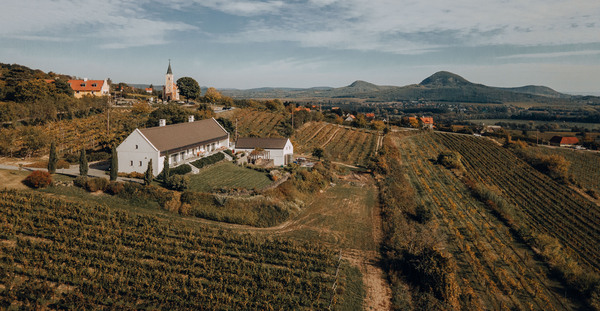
<point>549,207</point>
<point>349,145</point>
<point>585,165</point>
<point>60,254</point>
<point>89,132</point>
<point>494,271</point>
<point>257,123</point>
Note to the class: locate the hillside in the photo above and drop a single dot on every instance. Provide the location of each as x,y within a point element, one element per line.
<point>442,86</point>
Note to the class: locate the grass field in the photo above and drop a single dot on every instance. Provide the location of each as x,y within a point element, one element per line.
<point>227,175</point>
<point>565,125</point>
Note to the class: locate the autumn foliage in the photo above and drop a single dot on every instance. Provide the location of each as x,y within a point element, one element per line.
<point>38,179</point>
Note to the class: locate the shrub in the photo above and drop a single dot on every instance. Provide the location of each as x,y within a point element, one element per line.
<point>98,156</point>
<point>115,188</point>
<point>80,181</point>
<point>178,182</point>
<point>132,175</point>
<point>62,164</point>
<point>230,153</point>
<point>38,179</point>
<point>179,170</point>
<point>200,163</point>
<point>96,184</point>
<point>449,159</point>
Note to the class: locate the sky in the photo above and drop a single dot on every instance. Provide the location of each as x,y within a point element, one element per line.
<point>307,43</point>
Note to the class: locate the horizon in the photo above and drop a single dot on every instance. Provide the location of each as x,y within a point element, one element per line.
<point>240,44</point>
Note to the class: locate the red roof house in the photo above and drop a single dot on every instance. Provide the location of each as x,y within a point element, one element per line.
<point>89,87</point>
<point>564,141</point>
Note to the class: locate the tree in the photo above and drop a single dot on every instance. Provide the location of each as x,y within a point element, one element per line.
<point>212,95</point>
<point>52,159</point>
<point>318,152</point>
<point>148,175</point>
<point>114,164</point>
<point>83,163</point>
<point>34,139</point>
<point>166,169</point>
<point>188,87</point>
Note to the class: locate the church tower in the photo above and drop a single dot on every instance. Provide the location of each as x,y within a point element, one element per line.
<point>170,89</point>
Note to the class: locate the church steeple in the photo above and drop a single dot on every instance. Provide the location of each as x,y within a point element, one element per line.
<point>169,72</point>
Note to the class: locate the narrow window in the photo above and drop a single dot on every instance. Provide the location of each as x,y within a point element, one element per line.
<point>140,163</point>
<point>130,163</point>
<point>136,146</point>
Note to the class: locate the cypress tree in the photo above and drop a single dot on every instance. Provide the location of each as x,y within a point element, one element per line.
<point>114,164</point>
<point>148,175</point>
<point>83,163</point>
<point>52,159</point>
<point>166,170</point>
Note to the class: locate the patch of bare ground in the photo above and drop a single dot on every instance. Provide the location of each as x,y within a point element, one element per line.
<point>12,179</point>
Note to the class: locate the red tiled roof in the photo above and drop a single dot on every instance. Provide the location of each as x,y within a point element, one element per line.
<point>564,140</point>
<point>86,86</point>
<point>370,115</point>
<point>427,120</point>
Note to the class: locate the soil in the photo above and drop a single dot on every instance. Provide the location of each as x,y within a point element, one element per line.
<point>11,180</point>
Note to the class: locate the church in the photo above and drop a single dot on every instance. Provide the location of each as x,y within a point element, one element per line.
<point>170,91</point>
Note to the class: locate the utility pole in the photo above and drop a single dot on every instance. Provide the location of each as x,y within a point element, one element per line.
<point>236,129</point>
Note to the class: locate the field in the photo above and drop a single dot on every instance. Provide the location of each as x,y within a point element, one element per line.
<point>344,144</point>
<point>549,207</point>
<point>227,175</point>
<point>258,123</point>
<point>61,254</point>
<point>585,165</point>
<point>493,269</point>
<point>565,125</point>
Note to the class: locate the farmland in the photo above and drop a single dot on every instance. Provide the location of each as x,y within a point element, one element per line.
<point>62,254</point>
<point>548,206</point>
<point>349,145</point>
<point>252,122</point>
<point>493,269</point>
<point>227,175</point>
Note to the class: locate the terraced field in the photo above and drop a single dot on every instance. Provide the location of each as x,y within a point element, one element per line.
<point>256,122</point>
<point>494,270</point>
<point>344,144</point>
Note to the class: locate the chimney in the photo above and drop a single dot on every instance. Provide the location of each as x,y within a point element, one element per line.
<point>84,79</point>
<point>162,122</point>
<point>191,118</point>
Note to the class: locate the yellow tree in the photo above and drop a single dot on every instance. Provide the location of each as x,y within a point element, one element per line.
<point>212,95</point>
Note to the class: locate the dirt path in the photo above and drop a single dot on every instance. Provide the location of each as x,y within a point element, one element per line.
<point>347,217</point>
<point>330,138</point>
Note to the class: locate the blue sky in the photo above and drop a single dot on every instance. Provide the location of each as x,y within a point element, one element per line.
<point>305,43</point>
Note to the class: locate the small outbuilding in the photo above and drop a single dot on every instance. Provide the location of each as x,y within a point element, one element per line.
<point>561,141</point>
<point>280,150</point>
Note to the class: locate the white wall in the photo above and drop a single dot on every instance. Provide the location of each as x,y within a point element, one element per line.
<point>128,153</point>
<point>277,155</point>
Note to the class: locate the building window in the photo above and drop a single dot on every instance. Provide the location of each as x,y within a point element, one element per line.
<point>140,163</point>
<point>94,84</point>
<point>136,146</point>
<point>130,163</point>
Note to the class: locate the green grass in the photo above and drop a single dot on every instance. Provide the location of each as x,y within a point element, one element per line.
<point>227,174</point>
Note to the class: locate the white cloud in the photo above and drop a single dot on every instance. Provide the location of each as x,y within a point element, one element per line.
<point>112,24</point>
<point>553,54</point>
<point>404,26</point>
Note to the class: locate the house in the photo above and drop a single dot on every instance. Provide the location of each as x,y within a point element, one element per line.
<point>89,87</point>
<point>564,141</point>
<point>302,108</point>
<point>370,115</point>
<point>149,90</point>
<point>183,142</point>
<point>170,90</point>
<point>427,122</point>
<point>280,150</point>
<point>350,118</point>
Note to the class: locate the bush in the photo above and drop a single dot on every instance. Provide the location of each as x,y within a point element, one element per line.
<point>96,184</point>
<point>132,175</point>
<point>230,153</point>
<point>178,182</point>
<point>62,164</point>
<point>38,179</point>
<point>115,188</point>
<point>179,170</point>
<point>98,156</point>
<point>449,159</point>
<point>80,181</point>
<point>200,163</point>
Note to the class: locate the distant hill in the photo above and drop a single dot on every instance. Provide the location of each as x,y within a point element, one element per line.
<point>441,86</point>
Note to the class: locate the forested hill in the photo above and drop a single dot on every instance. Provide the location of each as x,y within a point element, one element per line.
<point>441,86</point>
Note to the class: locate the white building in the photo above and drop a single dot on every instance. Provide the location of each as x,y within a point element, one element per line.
<point>183,142</point>
<point>280,150</point>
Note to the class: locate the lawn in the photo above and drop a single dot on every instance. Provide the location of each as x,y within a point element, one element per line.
<point>227,174</point>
